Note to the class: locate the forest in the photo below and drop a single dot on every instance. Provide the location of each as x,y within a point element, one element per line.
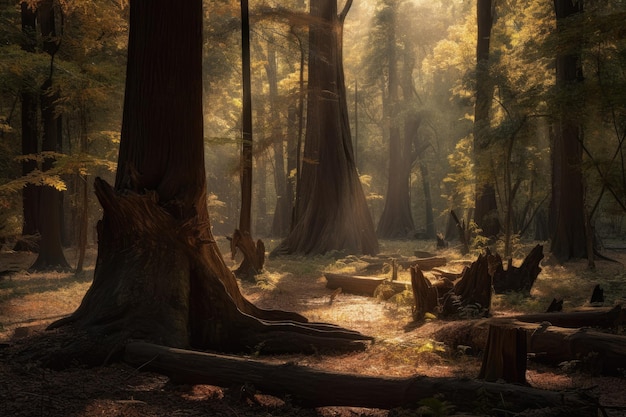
<point>316,208</point>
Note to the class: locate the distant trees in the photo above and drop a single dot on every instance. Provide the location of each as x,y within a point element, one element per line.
<point>60,87</point>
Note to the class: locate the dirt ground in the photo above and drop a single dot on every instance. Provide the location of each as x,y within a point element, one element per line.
<point>30,301</point>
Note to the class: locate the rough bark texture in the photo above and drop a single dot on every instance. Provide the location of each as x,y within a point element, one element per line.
<point>159,274</point>
<point>332,213</point>
<point>426,296</point>
<point>314,388</point>
<point>471,295</point>
<point>505,355</point>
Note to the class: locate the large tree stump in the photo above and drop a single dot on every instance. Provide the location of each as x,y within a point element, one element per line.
<point>514,278</point>
<point>505,355</point>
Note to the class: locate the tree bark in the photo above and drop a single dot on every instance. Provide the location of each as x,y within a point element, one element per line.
<point>159,275</point>
<point>396,220</point>
<point>332,213</point>
<point>568,236</point>
<point>425,295</point>
<point>505,355</point>
<point>486,209</point>
<point>519,278</point>
<point>30,137</point>
<point>358,284</point>
<point>315,388</point>
<point>51,256</point>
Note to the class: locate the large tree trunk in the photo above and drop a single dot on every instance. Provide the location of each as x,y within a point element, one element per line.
<point>159,274</point>
<point>396,220</point>
<point>282,213</point>
<point>332,213</point>
<point>51,254</point>
<point>569,239</point>
<point>315,388</point>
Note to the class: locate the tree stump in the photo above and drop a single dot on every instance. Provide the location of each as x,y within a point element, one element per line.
<point>253,255</point>
<point>471,295</point>
<point>514,278</point>
<point>505,355</point>
<point>425,295</point>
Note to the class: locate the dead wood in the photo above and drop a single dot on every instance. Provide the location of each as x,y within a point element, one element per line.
<point>505,355</point>
<point>425,264</point>
<point>514,278</point>
<point>601,352</point>
<point>358,284</point>
<point>462,230</point>
<point>471,295</point>
<point>555,306</point>
<point>253,254</point>
<point>425,295</point>
<point>316,388</point>
<point>606,318</point>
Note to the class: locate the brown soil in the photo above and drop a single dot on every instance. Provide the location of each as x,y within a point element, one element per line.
<point>28,302</point>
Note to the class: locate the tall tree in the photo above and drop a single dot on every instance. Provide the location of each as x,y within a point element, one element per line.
<point>486,209</point>
<point>50,249</point>
<point>396,220</point>
<point>30,133</point>
<point>331,211</point>
<point>569,238</point>
<point>254,253</point>
<point>160,276</point>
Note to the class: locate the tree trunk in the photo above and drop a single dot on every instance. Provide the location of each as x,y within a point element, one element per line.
<point>159,275</point>
<point>396,220</point>
<point>486,210</point>
<point>505,355</point>
<point>51,254</point>
<point>282,213</point>
<point>315,388</point>
<point>30,135</point>
<point>332,213</point>
<point>568,219</point>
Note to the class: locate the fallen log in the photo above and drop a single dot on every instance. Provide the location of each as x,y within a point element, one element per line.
<point>605,318</point>
<point>359,284</point>
<point>604,352</point>
<point>316,388</point>
<point>425,264</point>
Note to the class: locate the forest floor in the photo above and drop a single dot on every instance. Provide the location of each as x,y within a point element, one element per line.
<point>30,301</point>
